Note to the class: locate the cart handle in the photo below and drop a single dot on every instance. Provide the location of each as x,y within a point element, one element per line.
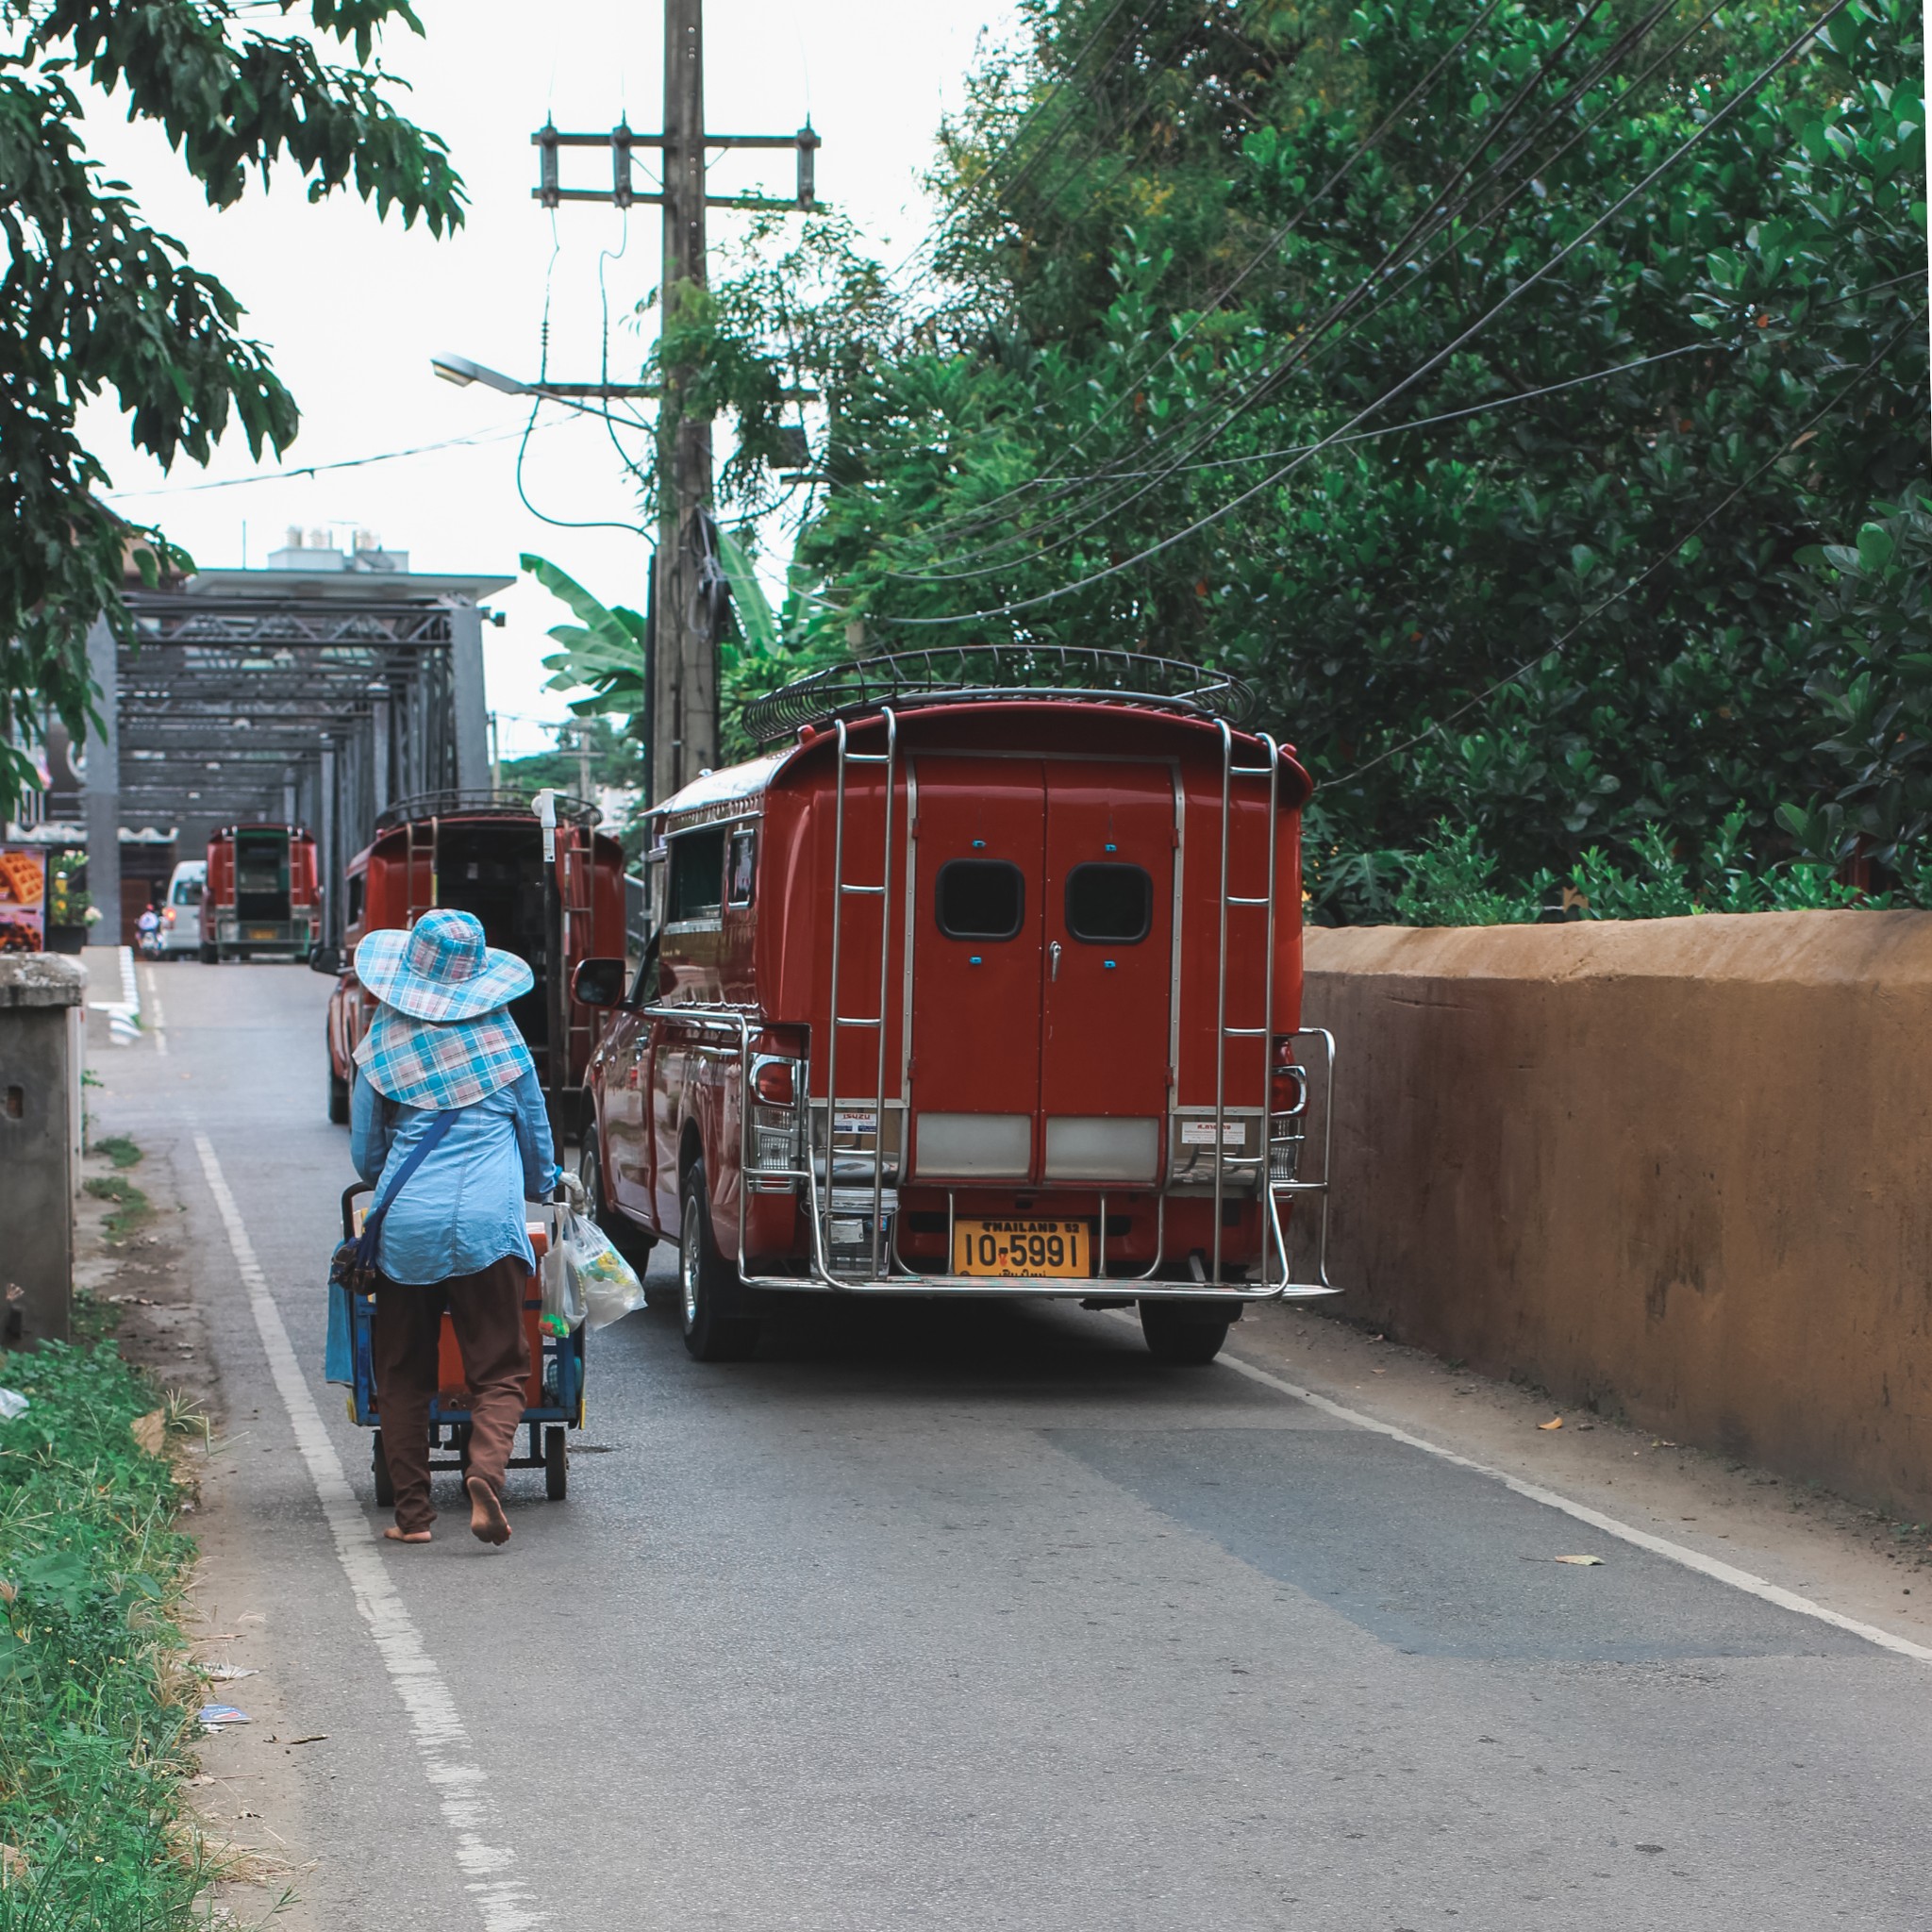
<point>349,1194</point>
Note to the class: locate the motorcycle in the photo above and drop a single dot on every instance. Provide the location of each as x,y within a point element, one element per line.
<point>147,934</point>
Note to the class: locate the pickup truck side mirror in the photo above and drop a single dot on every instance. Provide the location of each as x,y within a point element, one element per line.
<point>326,959</point>
<point>598,982</point>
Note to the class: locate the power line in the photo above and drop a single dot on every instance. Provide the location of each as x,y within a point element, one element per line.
<point>1557,648</point>
<point>387,456</point>
<point>1415,376</point>
<point>1497,403</point>
<point>1275,240</point>
<point>1440,217</point>
<point>1488,408</point>
<point>557,523</point>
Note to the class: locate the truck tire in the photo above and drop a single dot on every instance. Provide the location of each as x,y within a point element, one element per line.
<point>1183,1336</point>
<point>707,1283</point>
<point>211,954</point>
<point>338,1096</point>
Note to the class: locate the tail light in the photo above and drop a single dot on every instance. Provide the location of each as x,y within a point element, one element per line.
<point>1287,1089</point>
<point>775,1141</point>
<point>1288,1082</point>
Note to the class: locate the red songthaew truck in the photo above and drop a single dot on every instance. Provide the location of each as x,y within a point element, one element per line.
<point>546,885</point>
<point>261,895</point>
<point>970,987</point>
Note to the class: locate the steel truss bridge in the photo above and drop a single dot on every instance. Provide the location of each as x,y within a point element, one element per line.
<point>286,696</point>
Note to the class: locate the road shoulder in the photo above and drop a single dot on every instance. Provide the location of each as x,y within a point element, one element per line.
<point>1856,1561</point>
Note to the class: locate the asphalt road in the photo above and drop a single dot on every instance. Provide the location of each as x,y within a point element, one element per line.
<point>977,1618</point>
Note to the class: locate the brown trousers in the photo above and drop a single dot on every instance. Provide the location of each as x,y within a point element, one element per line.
<point>486,1309</point>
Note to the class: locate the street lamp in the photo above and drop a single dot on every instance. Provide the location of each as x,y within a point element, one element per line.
<point>462,372</point>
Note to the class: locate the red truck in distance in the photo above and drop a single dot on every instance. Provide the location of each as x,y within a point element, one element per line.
<point>552,893</point>
<point>970,988</point>
<point>260,898</point>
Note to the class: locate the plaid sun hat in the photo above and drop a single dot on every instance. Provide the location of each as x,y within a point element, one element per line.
<point>444,1063</point>
<point>440,968</point>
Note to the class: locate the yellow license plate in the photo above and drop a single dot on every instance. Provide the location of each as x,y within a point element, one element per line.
<point>263,932</point>
<point>1051,1250</point>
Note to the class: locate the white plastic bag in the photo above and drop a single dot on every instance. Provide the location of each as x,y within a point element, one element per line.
<point>608,1285</point>
<point>563,1295</point>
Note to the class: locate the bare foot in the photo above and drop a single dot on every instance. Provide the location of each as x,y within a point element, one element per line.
<point>488,1523</point>
<point>406,1536</point>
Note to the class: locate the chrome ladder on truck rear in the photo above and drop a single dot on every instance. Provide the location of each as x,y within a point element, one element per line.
<point>1281,1135</point>
<point>420,838</point>
<point>576,885</point>
<point>827,1206</point>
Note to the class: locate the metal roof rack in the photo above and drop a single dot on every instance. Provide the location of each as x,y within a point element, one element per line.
<point>477,802</point>
<point>1072,674</point>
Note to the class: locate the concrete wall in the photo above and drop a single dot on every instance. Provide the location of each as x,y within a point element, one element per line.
<point>39,995</point>
<point>1676,1169</point>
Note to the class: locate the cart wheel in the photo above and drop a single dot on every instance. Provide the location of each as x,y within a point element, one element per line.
<point>555,1463</point>
<point>379,1463</point>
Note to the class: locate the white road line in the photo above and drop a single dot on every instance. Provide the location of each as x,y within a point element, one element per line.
<point>1658,1547</point>
<point>154,999</point>
<point>449,1758</point>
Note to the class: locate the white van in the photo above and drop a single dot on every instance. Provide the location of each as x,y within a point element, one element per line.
<point>181,915</point>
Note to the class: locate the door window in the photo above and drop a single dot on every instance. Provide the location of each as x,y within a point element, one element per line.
<point>744,848</point>
<point>697,874</point>
<point>1109,905</point>
<point>980,899</point>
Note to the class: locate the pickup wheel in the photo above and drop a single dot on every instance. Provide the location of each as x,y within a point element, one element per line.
<point>630,1240</point>
<point>209,956</point>
<point>707,1283</point>
<point>1183,1336</point>
<point>338,1096</point>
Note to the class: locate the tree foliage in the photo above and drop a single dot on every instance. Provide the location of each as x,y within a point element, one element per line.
<point>1472,379</point>
<point>94,301</point>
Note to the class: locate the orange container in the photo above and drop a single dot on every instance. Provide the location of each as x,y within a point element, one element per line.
<point>453,1390</point>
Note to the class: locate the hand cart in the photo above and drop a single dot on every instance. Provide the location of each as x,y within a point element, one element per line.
<point>553,1398</point>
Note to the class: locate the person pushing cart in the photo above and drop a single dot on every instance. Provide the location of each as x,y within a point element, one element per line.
<point>447,1121</point>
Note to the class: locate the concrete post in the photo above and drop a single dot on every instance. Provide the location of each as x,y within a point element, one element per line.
<point>101,794</point>
<point>326,843</point>
<point>378,744</point>
<point>39,1089</point>
<point>466,693</point>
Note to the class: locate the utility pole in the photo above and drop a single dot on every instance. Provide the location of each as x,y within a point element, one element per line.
<point>685,699</point>
<point>687,597</point>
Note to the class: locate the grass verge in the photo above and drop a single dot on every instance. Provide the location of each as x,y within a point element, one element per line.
<point>131,1206</point>
<point>97,1703</point>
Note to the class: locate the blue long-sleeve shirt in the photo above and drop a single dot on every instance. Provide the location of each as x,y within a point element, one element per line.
<point>463,1208</point>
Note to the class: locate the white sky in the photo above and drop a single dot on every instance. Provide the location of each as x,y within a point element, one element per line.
<point>352,309</point>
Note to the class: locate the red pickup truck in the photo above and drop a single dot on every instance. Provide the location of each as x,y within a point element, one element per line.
<point>547,886</point>
<point>965,989</point>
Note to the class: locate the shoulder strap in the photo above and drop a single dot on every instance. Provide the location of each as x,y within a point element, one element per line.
<point>371,1224</point>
